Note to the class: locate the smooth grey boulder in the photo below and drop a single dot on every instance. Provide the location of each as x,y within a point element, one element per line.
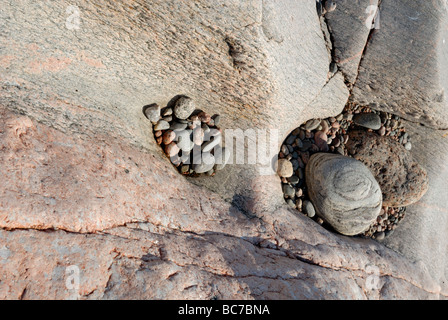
<point>344,192</point>
<point>404,69</point>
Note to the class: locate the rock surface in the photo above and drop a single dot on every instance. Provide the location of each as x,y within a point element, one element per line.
<point>417,88</point>
<point>350,25</point>
<point>96,192</point>
<point>403,181</point>
<point>344,192</point>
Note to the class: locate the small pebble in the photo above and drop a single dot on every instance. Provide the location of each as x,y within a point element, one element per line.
<point>368,120</point>
<point>299,204</point>
<point>185,169</point>
<point>168,137</point>
<point>289,191</point>
<point>158,134</point>
<point>379,236</point>
<point>162,125</point>
<point>408,146</point>
<point>309,208</point>
<point>178,126</point>
<point>291,203</point>
<point>311,124</point>
<point>152,112</point>
<point>294,180</point>
<point>167,112</point>
<point>204,117</point>
<point>285,168</point>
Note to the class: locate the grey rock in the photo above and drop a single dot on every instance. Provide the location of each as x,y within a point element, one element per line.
<point>289,191</point>
<point>380,236</point>
<point>162,125</point>
<point>184,108</point>
<point>294,180</point>
<point>368,120</point>
<point>152,112</point>
<point>311,124</point>
<point>308,208</point>
<point>167,112</point>
<point>344,192</point>
<point>177,126</point>
<point>408,146</point>
<point>291,203</point>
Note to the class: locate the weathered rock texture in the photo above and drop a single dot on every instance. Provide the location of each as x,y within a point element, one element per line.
<point>84,183</point>
<point>403,181</point>
<point>350,25</point>
<point>421,236</point>
<point>344,192</point>
<point>404,66</point>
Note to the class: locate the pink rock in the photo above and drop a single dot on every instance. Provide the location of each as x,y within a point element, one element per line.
<point>168,137</point>
<point>320,139</point>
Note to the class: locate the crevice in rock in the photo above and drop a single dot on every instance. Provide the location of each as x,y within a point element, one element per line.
<point>369,38</point>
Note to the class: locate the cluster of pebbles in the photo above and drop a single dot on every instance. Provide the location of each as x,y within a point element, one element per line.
<point>331,135</point>
<point>386,223</point>
<point>190,137</point>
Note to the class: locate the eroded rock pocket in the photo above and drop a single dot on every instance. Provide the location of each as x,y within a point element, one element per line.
<point>190,137</point>
<point>352,173</point>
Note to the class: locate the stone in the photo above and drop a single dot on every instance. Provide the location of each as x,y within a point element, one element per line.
<point>320,139</point>
<point>184,108</point>
<point>308,208</point>
<point>312,124</point>
<point>403,181</point>
<point>408,146</point>
<point>284,168</point>
<point>185,169</point>
<point>344,192</point>
<point>206,164</point>
<point>288,191</point>
<point>294,180</point>
<point>147,235</point>
<point>167,112</point>
<point>168,137</point>
<point>368,120</point>
<point>172,149</point>
<point>152,112</point>
<point>162,125</point>
<point>380,236</point>
<point>325,126</point>
<point>204,117</point>
<point>177,126</point>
